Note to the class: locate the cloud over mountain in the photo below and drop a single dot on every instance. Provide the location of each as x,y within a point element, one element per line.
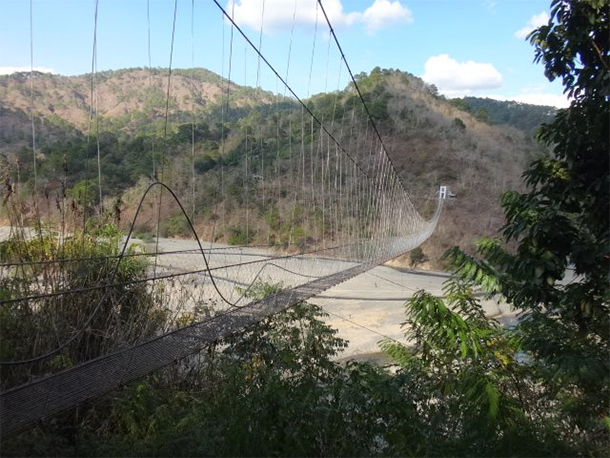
<point>456,79</point>
<point>544,99</point>
<point>384,13</point>
<point>277,15</point>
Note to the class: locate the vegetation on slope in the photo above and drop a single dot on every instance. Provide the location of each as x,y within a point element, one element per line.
<point>430,141</point>
<point>126,100</point>
<point>523,116</point>
<point>433,143</point>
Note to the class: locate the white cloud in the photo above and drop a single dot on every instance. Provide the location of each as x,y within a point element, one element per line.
<point>537,95</point>
<point>281,14</point>
<point>9,70</point>
<point>384,13</point>
<point>456,79</point>
<point>552,100</point>
<point>535,21</point>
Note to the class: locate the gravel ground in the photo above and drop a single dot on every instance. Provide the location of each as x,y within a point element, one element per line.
<point>364,309</point>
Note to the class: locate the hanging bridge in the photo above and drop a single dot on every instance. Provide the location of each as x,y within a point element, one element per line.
<point>310,198</point>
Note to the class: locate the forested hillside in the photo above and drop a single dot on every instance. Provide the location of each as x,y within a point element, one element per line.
<point>523,116</point>
<point>432,143</point>
<point>213,126</point>
<point>126,100</point>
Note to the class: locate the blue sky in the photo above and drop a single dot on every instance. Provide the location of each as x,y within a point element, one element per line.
<point>464,47</point>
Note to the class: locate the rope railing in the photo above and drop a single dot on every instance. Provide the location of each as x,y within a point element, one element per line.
<point>313,186</point>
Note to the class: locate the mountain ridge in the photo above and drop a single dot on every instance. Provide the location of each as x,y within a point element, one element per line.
<point>430,140</point>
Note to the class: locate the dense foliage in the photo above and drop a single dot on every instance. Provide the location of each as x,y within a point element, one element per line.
<point>89,320</point>
<point>462,389</point>
<point>559,275</point>
<point>520,115</point>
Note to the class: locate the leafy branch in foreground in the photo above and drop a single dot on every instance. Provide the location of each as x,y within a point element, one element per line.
<point>473,392</point>
<point>558,276</point>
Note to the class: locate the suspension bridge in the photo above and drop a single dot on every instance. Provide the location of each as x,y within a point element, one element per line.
<point>311,199</point>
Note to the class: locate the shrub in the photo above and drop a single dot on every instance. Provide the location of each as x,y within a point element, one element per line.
<point>459,124</point>
<point>204,163</point>
<point>417,256</point>
<point>175,226</point>
<point>239,236</point>
<point>94,318</point>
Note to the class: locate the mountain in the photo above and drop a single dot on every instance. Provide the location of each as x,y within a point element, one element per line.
<point>434,143</point>
<point>523,116</point>
<point>125,100</point>
<point>431,141</point>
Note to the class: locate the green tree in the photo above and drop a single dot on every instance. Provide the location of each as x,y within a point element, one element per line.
<point>483,115</point>
<point>84,192</point>
<point>474,393</point>
<point>560,225</point>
